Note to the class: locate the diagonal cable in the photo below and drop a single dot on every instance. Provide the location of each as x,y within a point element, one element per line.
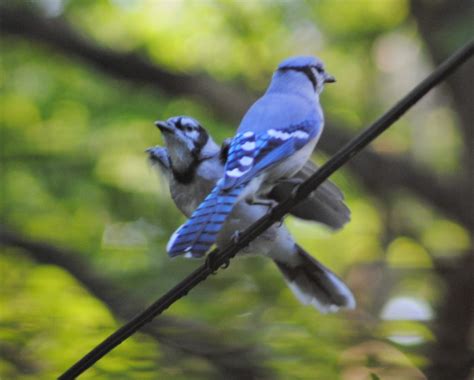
<point>220,257</point>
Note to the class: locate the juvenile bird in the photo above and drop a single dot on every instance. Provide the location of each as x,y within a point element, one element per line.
<point>274,141</point>
<point>192,163</point>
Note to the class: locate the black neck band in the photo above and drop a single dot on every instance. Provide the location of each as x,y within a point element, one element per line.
<point>188,175</point>
<point>306,70</point>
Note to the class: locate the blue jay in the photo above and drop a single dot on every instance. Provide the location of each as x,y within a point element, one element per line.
<point>274,141</point>
<point>193,163</point>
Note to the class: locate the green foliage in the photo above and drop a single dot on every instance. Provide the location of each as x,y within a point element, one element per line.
<point>74,173</point>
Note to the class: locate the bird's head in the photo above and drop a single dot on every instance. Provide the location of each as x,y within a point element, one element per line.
<point>186,140</point>
<point>307,68</point>
<point>183,133</point>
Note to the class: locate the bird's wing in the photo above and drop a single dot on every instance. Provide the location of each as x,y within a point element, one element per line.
<point>324,205</point>
<point>250,153</point>
<point>158,155</point>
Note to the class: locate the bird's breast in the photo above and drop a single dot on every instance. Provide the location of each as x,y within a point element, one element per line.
<point>189,196</point>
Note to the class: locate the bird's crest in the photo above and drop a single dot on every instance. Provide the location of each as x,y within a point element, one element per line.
<point>300,62</point>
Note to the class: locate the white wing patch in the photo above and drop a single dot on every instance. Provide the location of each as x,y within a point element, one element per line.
<point>248,146</point>
<point>286,135</point>
<point>278,134</point>
<point>300,135</point>
<point>246,161</point>
<point>236,173</point>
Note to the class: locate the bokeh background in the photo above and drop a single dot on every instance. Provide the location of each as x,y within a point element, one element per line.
<point>84,220</point>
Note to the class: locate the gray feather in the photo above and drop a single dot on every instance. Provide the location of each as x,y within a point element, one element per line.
<point>314,284</point>
<point>325,205</point>
<point>158,156</point>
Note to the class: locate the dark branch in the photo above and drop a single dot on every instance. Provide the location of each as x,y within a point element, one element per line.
<point>231,103</point>
<point>232,361</point>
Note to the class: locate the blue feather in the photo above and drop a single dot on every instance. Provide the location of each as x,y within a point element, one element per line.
<point>300,61</point>
<point>269,149</point>
<point>198,234</point>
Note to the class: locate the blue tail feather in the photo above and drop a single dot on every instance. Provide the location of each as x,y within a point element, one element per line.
<point>197,235</point>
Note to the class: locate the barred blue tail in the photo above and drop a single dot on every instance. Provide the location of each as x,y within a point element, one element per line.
<point>195,237</point>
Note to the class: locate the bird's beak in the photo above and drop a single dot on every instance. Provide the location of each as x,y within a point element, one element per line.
<point>328,78</point>
<point>164,127</point>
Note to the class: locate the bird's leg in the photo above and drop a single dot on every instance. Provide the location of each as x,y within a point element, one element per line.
<point>235,237</point>
<point>294,181</point>
<point>254,201</point>
<point>270,203</point>
<point>290,181</point>
<point>280,222</point>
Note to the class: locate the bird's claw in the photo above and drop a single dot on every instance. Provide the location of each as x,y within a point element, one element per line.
<point>212,265</point>
<point>279,219</point>
<point>235,237</point>
<point>294,191</point>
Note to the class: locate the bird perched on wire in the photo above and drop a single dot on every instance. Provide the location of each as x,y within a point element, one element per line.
<point>274,140</point>
<point>192,163</point>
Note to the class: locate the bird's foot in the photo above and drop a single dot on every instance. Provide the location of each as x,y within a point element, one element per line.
<point>225,264</point>
<point>211,263</point>
<point>269,203</point>
<point>213,266</point>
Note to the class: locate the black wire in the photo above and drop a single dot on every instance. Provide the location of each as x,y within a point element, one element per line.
<point>218,258</point>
